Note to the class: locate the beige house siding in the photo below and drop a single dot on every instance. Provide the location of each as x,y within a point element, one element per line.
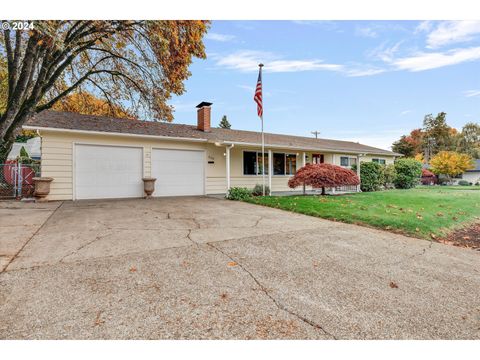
<point>473,177</point>
<point>58,160</point>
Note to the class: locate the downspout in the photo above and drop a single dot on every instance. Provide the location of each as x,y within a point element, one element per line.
<point>227,153</point>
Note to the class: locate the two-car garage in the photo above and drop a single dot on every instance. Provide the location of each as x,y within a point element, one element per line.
<point>102,171</point>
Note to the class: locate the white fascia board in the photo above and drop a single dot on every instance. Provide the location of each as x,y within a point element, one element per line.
<point>88,132</point>
<point>336,151</point>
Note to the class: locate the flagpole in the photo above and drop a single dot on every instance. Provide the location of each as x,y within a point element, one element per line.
<point>263,142</point>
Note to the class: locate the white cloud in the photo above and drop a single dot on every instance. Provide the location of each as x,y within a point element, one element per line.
<point>251,89</point>
<point>450,32</point>
<point>471,93</point>
<point>381,141</point>
<point>363,72</point>
<point>384,53</point>
<point>248,60</point>
<point>219,37</point>
<point>368,32</point>
<point>424,26</point>
<point>426,61</point>
<point>405,112</point>
<point>247,88</point>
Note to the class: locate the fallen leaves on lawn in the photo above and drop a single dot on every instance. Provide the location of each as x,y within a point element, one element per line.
<point>417,229</point>
<point>433,236</point>
<point>440,214</point>
<point>393,285</point>
<point>419,216</point>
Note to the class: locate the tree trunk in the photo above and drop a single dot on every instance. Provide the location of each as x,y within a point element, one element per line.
<point>323,190</point>
<point>9,133</point>
<point>5,148</point>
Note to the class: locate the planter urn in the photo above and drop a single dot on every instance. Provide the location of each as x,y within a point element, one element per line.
<point>148,186</point>
<point>42,188</point>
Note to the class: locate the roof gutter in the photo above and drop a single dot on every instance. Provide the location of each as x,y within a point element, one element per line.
<point>89,132</point>
<point>176,138</point>
<point>346,151</point>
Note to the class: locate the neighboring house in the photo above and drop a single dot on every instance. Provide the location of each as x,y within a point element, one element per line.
<point>32,146</point>
<point>93,157</point>
<point>472,176</point>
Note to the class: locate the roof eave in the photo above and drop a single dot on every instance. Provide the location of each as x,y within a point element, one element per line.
<point>91,132</point>
<point>277,146</point>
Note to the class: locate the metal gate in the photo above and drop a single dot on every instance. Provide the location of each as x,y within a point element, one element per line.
<point>16,180</point>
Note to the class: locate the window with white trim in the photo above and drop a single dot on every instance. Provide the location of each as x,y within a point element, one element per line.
<point>252,163</point>
<point>283,163</point>
<point>379,161</point>
<point>347,161</point>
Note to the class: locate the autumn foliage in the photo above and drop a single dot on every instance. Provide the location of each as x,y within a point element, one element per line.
<point>428,177</point>
<point>451,163</point>
<point>323,175</point>
<point>134,66</point>
<point>88,104</point>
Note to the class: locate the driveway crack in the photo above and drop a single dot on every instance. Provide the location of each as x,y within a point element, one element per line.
<point>258,221</point>
<point>277,303</point>
<point>83,246</point>
<point>31,237</point>
<point>189,237</point>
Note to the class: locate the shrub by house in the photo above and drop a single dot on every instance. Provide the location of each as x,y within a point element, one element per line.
<point>371,176</point>
<point>408,173</point>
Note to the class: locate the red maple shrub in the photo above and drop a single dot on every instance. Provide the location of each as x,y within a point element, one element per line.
<point>322,176</point>
<point>428,177</point>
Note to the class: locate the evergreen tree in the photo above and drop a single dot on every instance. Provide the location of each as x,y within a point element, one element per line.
<point>224,124</point>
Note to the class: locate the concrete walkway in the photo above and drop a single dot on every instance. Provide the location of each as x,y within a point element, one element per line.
<point>204,268</point>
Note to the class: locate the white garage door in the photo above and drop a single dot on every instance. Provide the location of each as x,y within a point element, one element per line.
<point>178,172</point>
<point>108,172</point>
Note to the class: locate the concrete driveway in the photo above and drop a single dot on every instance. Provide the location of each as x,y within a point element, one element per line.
<point>204,268</point>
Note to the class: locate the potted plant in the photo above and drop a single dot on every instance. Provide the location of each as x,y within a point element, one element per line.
<point>148,186</point>
<point>42,188</point>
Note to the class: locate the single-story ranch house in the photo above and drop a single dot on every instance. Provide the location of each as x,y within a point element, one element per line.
<point>472,175</point>
<point>94,157</point>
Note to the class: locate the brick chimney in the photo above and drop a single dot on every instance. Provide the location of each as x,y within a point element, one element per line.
<point>203,116</point>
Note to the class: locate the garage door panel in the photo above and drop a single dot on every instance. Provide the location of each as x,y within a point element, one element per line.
<point>108,172</point>
<point>178,172</point>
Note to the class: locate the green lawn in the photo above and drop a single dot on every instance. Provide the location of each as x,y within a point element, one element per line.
<point>420,212</point>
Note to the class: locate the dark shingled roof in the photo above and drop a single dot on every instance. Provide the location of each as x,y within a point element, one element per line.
<point>75,121</point>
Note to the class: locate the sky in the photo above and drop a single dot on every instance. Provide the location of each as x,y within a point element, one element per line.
<point>365,81</point>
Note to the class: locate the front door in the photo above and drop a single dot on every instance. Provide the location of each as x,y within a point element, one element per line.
<point>318,159</point>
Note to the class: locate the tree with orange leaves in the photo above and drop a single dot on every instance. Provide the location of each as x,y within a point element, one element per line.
<point>88,104</point>
<point>139,64</point>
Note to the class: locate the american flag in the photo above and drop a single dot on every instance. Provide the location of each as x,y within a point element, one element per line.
<point>258,94</point>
